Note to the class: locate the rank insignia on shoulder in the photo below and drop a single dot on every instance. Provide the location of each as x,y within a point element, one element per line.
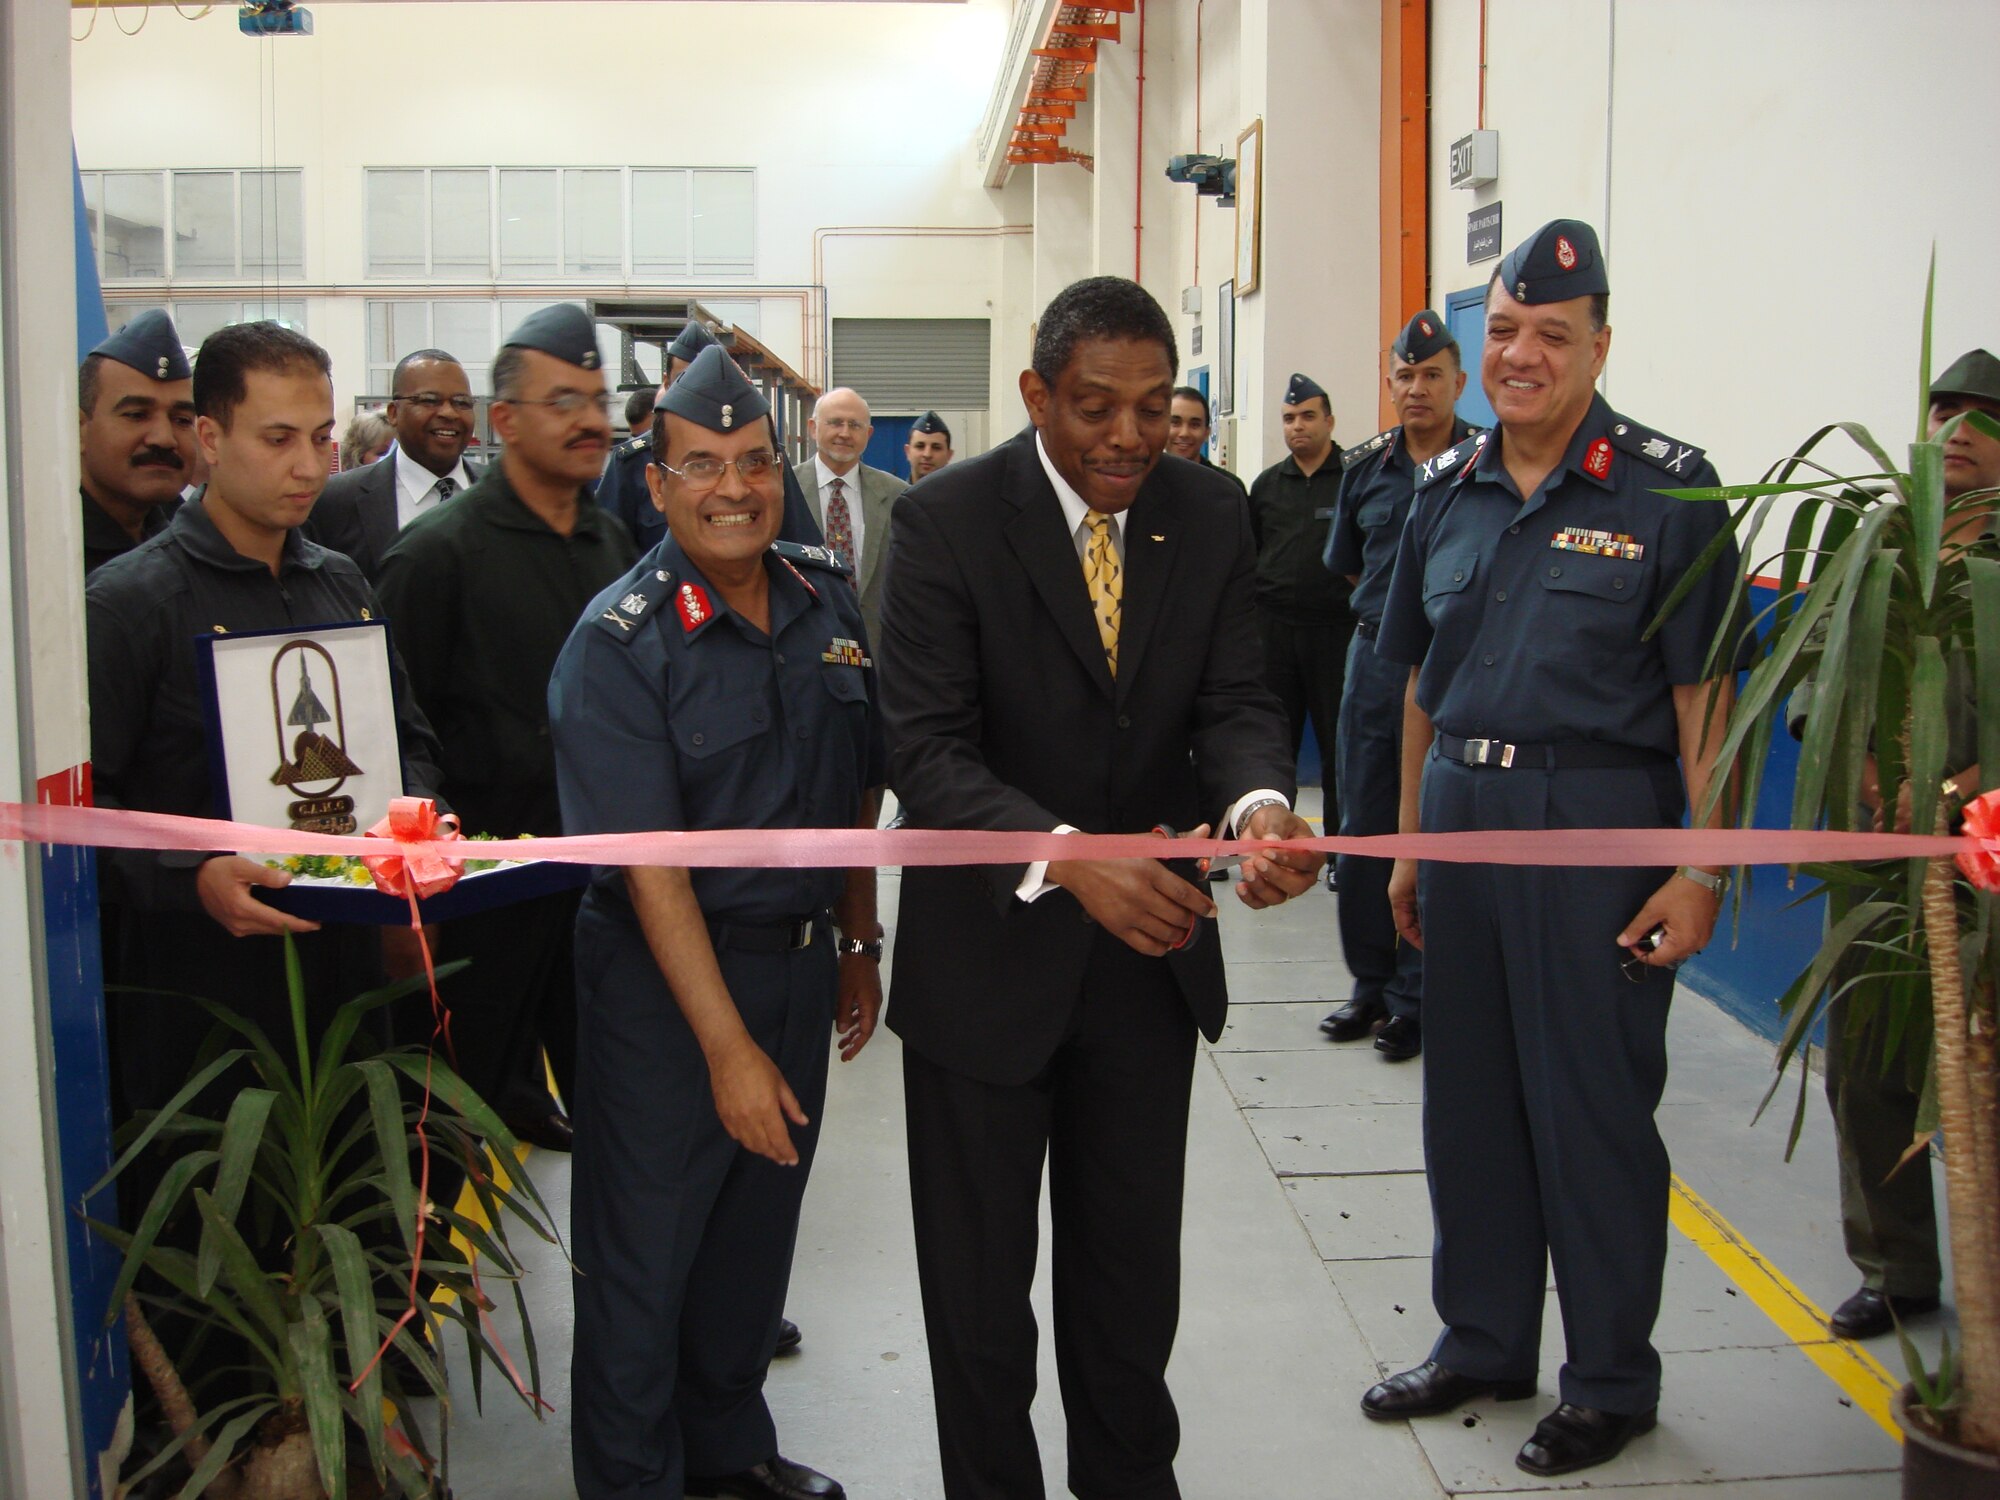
<point>823,558</point>
<point>846,653</point>
<point>634,603</point>
<point>633,445</point>
<point>693,606</point>
<point>1597,462</point>
<point>1375,444</point>
<point>1452,458</point>
<point>1657,449</point>
<point>1598,543</point>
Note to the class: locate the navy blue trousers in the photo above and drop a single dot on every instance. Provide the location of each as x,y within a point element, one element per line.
<point>683,1240</point>
<point>1386,971</point>
<point>1543,1065</point>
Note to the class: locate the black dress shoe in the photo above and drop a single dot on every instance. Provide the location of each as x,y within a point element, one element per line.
<point>1354,1019</point>
<point>775,1479</point>
<point>1580,1437</point>
<point>1430,1389</point>
<point>1870,1313</point>
<point>1400,1039</point>
<point>789,1337</point>
<point>551,1131</point>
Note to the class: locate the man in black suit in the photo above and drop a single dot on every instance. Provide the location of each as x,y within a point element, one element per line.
<point>363,509</point>
<point>1067,645</point>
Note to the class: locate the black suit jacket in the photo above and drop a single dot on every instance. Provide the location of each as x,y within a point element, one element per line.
<point>356,513</point>
<point>1002,714</point>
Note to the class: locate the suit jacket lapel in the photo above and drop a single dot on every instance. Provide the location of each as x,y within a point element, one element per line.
<point>875,523</point>
<point>1151,535</point>
<point>808,473</point>
<point>1048,553</point>
<point>379,519</point>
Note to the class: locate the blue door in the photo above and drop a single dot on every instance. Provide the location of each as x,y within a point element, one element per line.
<point>886,444</point>
<point>1465,314</point>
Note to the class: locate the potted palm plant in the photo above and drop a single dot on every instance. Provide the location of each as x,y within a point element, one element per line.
<point>1888,602</point>
<point>315,1160</point>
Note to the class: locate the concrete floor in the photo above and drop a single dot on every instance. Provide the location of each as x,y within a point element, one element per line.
<point>1307,1276</point>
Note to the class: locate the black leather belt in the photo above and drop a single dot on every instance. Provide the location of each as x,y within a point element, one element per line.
<point>1366,631</point>
<point>1576,755</point>
<point>765,937</point>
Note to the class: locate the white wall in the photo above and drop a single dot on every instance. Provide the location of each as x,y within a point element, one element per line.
<point>853,114</point>
<point>1779,172</point>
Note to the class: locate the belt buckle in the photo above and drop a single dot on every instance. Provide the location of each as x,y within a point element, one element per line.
<point>1481,753</point>
<point>802,934</point>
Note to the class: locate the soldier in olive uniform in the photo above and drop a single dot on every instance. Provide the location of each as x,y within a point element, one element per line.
<point>722,683</point>
<point>1533,563</point>
<point>135,404</point>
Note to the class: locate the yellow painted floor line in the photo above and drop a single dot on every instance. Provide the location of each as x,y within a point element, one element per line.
<point>1858,1373</point>
<point>468,1207</point>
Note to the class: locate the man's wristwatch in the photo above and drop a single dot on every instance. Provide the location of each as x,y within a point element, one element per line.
<point>1715,885</point>
<point>855,945</point>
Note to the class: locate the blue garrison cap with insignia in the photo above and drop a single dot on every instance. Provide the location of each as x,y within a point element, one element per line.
<point>564,330</point>
<point>150,345</point>
<point>930,421</point>
<point>1559,261</point>
<point>691,341</point>
<point>1302,388</point>
<point>715,393</point>
<point>1423,336</point>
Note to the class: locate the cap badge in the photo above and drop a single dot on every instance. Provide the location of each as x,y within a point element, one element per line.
<point>694,606</point>
<point>1424,327</point>
<point>1520,291</point>
<point>728,416</point>
<point>1597,462</point>
<point>1565,253</point>
<point>589,361</point>
<point>165,363</point>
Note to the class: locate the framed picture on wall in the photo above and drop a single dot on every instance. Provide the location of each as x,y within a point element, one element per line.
<point>1249,207</point>
<point>1224,394</point>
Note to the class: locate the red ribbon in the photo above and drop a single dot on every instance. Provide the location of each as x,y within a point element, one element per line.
<point>417,869</point>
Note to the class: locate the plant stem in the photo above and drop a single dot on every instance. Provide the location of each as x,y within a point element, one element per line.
<point>1975,1258</point>
<point>165,1380</point>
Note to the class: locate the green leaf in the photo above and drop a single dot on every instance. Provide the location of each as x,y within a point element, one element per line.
<point>347,1020</point>
<point>251,1283</point>
<point>217,1457</point>
<point>241,1137</point>
<point>461,1098</point>
<point>132,1482</point>
<point>312,1348</point>
<point>357,1327</point>
<point>1928,731</point>
<point>1926,514</point>
<point>385,1108</point>
<point>164,1115</point>
<point>1924,352</point>
<point>180,1173</point>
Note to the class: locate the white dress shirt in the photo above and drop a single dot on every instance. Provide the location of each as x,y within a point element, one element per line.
<point>850,491</point>
<point>1076,511</point>
<point>416,486</point>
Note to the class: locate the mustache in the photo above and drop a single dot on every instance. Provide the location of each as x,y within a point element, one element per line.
<point>157,458</point>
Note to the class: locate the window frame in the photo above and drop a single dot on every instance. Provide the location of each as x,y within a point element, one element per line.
<point>172,271</point>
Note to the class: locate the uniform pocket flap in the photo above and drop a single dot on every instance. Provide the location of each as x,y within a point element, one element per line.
<point>1449,573</point>
<point>847,684</point>
<point>1600,577</point>
<point>714,727</point>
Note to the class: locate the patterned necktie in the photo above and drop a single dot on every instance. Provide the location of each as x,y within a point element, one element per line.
<point>446,488</point>
<point>1106,581</point>
<point>839,524</point>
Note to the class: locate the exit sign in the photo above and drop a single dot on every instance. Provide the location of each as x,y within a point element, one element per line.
<point>1475,159</point>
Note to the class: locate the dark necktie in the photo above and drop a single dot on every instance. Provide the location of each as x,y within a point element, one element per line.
<point>840,524</point>
<point>446,488</point>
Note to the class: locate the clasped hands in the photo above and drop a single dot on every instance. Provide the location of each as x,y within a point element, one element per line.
<point>1150,909</point>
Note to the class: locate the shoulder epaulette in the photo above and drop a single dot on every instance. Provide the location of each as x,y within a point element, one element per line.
<point>1454,459</point>
<point>634,445</point>
<point>623,615</point>
<point>1656,448</point>
<point>823,558</point>
<point>1375,444</point>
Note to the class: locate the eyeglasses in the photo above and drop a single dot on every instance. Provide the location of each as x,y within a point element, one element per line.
<point>841,424</point>
<point>568,403</point>
<point>706,473</point>
<point>431,401</point>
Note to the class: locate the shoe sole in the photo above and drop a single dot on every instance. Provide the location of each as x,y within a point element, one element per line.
<point>1558,1470</point>
<point>1513,1390</point>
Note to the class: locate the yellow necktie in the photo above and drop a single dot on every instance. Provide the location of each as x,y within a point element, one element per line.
<point>1106,581</point>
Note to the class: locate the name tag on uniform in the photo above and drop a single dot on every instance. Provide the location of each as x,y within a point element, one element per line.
<point>1598,543</point>
<point>1325,513</point>
<point>844,653</point>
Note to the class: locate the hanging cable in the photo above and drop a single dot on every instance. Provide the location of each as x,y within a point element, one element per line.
<point>145,15</point>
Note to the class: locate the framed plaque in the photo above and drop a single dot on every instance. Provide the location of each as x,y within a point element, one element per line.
<point>1249,208</point>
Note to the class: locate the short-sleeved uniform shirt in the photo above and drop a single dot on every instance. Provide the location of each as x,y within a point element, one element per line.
<point>1377,482</point>
<point>671,711</point>
<point>1525,614</point>
<point>480,596</point>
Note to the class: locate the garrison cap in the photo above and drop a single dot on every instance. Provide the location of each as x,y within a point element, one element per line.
<point>690,341</point>
<point>715,393</point>
<point>930,421</point>
<point>1974,374</point>
<point>150,345</point>
<point>1302,388</point>
<point>564,330</point>
<point>1423,336</point>
<point>1559,261</point>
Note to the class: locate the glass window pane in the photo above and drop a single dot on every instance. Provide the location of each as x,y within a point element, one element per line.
<point>286,310</point>
<point>464,329</point>
<point>514,314</point>
<point>273,224</point>
<point>724,228</point>
<point>379,341</point>
<point>205,225</point>
<point>409,328</point>
<point>92,184</point>
<point>461,225</point>
<point>593,224</point>
<point>118,314</point>
<point>395,223</point>
<point>195,321</point>
<point>660,222</point>
<point>527,223</point>
<point>135,216</point>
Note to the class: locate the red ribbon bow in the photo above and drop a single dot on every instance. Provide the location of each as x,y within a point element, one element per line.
<point>1982,822</point>
<point>418,872</point>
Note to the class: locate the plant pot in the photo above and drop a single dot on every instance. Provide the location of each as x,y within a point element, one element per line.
<point>1936,1469</point>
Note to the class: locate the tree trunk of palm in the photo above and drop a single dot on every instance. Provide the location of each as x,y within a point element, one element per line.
<point>1962,1091</point>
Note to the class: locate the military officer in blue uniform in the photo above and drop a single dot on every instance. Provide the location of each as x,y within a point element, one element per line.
<point>722,683</point>
<point>1425,380</point>
<point>1533,563</point>
<point>135,403</point>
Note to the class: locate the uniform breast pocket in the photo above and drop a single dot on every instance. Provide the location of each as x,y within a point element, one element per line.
<point>705,729</point>
<point>1591,601</point>
<point>1376,512</point>
<point>1447,576</point>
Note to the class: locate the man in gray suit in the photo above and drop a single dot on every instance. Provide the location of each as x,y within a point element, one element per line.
<point>361,510</point>
<point>849,499</point>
